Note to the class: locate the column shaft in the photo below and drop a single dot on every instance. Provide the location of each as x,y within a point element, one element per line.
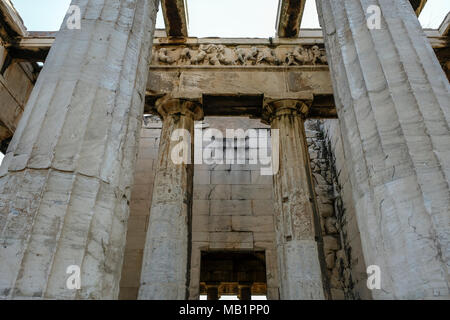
<point>165,269</point>
<point>245,293</point>
<point>212,292</point>
<point>393,103</point>
<point>65,181</point>
<point>298,253</point>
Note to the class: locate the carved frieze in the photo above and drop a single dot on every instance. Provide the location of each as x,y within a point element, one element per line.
<point>238,55</point>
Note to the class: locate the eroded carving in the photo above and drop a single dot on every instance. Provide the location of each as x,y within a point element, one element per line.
<point>304,56</point>
<point>225,55</point>
<point>199,56</point>
<point>245,55</point>
<point>268,56</point>
<point>164,57</point>
<point>221,55</point>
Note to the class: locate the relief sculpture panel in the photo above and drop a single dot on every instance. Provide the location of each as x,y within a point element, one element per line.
<point>238,55</point>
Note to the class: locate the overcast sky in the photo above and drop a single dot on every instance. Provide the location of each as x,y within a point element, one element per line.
<point>212,18</point>
<point>208,18</point>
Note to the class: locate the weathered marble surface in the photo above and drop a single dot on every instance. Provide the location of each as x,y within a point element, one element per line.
<point>295,204</point>
<point>393,102</point>
<point>165,266</point>
<point>65,180</point>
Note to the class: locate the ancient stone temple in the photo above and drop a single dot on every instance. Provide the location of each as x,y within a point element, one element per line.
<point>352,121</point>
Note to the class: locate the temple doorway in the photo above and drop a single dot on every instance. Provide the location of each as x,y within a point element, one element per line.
<point>232,275</point>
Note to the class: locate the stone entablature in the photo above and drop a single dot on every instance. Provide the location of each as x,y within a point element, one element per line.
<point>238,54</point>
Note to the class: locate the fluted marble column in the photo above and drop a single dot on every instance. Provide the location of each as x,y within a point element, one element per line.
<point>393,101</point>
<point>295,208</point>
<point>65,180</point>
<point>165,268</point>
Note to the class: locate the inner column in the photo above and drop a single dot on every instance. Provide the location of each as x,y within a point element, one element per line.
<point>165,268</point>
<point>298,254</point>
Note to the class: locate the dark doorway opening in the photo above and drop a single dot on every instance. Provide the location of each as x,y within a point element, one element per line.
<point>233,273</point>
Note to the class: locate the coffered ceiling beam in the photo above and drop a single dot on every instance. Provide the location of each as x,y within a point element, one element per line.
<point>289,18</point>
<point>175,17</point>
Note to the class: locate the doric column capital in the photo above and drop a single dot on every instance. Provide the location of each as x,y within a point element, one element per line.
<point>288,104</point>
<point>186,105</point>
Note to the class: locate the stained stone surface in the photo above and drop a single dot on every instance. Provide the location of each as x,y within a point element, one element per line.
<point>345,265</point>
<point>17,77</point>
